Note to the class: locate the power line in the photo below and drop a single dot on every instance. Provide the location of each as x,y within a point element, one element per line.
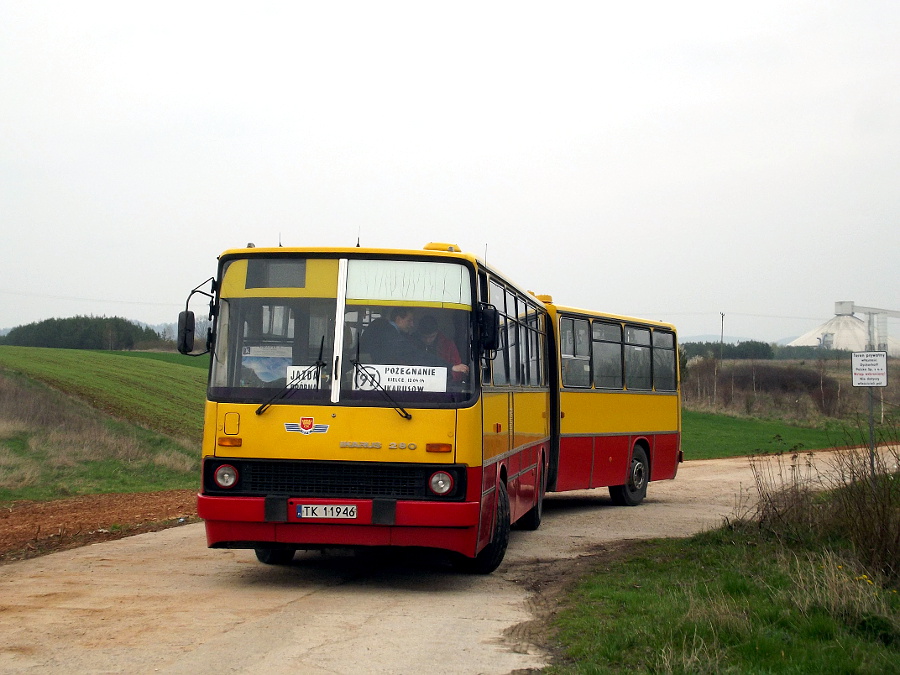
<point>756,316</point>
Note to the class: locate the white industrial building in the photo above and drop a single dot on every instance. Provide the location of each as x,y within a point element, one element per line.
<point>849,332</point>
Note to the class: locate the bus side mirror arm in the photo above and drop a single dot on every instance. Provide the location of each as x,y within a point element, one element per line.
<point>488,327</point>
<point>187,323</point>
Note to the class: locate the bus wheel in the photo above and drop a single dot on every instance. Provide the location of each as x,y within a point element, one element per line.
<point>274,556</point>
<point>490,557</point>
<point>634,491</point>
<point>532,519</point>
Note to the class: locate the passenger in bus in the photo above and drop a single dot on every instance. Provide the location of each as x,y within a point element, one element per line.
<point>441,346</point>
<point>392,341</point>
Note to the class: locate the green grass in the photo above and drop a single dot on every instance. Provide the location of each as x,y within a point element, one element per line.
<point>54,446</point>
<point>84,422</point>
<point>153,392</point>
<point>201,361</point>
<point>708,436</point>
<point>729,601</point>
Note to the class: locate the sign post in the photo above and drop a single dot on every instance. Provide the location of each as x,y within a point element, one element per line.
<point>870,370</point>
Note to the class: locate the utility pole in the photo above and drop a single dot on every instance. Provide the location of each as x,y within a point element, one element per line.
<point>717,361</point>
<point>722,336</point>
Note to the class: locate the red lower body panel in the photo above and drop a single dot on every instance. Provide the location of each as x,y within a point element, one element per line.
<point>599,461</point>
<point>237,521</point>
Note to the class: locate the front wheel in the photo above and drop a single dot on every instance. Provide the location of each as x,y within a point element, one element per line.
<point>490,557</point>
<point>274,556</point>
<point>635,488</point>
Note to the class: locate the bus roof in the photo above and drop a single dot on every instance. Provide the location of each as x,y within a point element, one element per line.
<point>607,315</point>
<point>431,250</point>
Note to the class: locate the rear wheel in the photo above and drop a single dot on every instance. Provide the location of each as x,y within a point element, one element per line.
<point>490,557</point>
<point>635,488</point>
<point>275,556</point>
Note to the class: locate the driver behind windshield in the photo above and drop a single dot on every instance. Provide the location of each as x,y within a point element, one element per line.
<point>391,341</point>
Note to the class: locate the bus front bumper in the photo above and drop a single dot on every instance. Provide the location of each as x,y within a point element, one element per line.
<point>255,522</point>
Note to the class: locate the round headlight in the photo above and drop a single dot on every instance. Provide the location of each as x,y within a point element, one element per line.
<point>440,483</point>
<point>226,476</point>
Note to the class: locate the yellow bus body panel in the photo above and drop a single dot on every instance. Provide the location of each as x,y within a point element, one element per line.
<point>468,436</point>
<point>497,424</point>
<point>531,421</point>
<point>334,434</point>
<point>321,282</point>
<point>595,412</point>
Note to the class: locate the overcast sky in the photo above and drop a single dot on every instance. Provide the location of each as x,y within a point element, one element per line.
<point>674,160</point>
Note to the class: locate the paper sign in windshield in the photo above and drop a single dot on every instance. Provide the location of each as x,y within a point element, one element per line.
<point>401,378</point>
<point>266,361</point>
<point>304,377</point>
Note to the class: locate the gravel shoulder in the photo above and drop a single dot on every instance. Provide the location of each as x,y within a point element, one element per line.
<point>31,529</point>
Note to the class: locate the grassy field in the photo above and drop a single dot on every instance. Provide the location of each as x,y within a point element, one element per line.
<point>201,362</point>
<point>54,446</point>
<point>155,391</point>
<point>707,436</point>
<point>78,422</point>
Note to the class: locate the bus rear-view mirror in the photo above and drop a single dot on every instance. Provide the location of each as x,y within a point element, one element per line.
<point>186,324</point>
<point>489,327</point>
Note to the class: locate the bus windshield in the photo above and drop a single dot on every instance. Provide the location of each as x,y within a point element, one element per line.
<point>367,331</point>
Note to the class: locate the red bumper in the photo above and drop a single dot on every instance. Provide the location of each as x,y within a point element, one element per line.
<point>238,522</point>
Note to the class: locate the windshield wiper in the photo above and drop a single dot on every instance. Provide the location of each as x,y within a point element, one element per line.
<point>289,386</point>
<point>367,377</point>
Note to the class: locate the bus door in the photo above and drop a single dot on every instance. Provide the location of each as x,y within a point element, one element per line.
<point>516,418</point>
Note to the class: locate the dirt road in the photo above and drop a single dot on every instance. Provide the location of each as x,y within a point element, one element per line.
<point>163,602</point>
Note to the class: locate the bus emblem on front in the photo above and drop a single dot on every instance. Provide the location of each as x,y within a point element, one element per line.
<point>306,426</point>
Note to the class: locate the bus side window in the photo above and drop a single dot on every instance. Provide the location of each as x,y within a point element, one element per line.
<point>637,358</point>
<point>664,358</point>
<point>533,343</point>
<point>575,352</point>
<point>607,355</point>
<point>500,365</point>
<point>512,331</point>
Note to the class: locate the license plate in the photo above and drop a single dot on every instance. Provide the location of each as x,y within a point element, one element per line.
<point>313,511</point>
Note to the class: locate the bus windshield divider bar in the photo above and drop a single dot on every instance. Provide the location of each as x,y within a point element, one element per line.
<point>340,308</point>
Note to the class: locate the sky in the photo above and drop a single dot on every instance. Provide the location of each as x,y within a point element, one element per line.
<point>674,161</point>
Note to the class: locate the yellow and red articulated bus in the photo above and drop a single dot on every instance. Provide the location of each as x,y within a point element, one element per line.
<point>372,397</point>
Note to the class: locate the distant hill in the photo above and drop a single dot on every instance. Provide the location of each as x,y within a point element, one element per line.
<point>728,339</point>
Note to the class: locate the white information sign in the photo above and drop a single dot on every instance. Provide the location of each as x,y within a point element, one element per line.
<point>869,369</point>
<point>401,378</point>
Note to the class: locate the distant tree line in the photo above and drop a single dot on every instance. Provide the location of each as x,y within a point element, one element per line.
<point>751,349</point>
<point>755,350</point>
<point>85,332</point>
